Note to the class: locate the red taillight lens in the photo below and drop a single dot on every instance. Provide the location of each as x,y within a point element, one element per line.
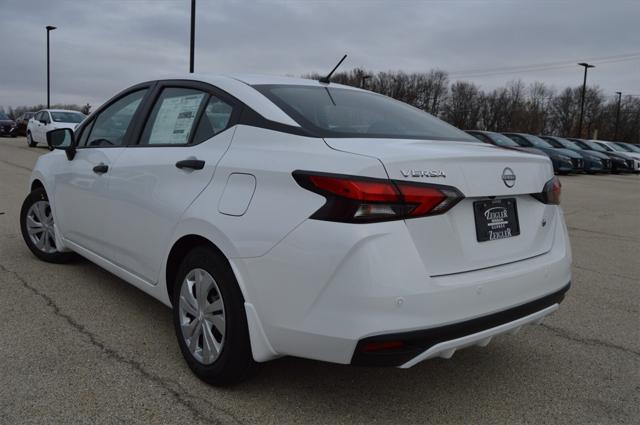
<point>551,192</point>
<point>360,190</point>
<point>353,199</point>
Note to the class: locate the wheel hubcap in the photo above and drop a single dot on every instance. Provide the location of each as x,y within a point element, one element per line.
<point>202,316</point>
<point>40,227</point>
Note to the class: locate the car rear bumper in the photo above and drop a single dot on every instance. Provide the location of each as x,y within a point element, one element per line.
<point>319,293</point>
<point>443,341</point>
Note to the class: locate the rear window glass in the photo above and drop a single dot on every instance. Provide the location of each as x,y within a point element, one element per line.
<point>339,112</point>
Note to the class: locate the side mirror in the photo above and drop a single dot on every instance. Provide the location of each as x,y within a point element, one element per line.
<point>62,138</point>
<point>43,122</point>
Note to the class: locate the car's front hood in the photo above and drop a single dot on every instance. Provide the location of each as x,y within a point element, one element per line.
<point>569,153</point>
<point>597,154</point>
<point>71,125</point>
<point>619,155</point>
<point>7,122</point>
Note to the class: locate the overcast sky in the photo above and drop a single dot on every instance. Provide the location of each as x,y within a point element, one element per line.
<point>102,46</point>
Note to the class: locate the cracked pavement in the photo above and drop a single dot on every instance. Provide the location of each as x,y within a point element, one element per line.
<point>78,345</point>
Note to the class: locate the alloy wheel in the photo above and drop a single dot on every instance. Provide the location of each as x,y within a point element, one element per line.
<point>202,316</point>
<point>40,227</point>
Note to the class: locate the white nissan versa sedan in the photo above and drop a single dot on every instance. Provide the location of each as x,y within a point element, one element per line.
<point>282,216</point>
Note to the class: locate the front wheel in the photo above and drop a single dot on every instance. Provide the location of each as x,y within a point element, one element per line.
<point>38,231</point>
<point>210,320</point>
<point>30,141</point>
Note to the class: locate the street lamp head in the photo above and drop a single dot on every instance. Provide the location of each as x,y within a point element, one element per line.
<point>586,65</point>
<point>51,28</point>
<point>619,93</point>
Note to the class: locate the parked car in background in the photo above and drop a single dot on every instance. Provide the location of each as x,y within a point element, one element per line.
<point>632,147</point>
<point>619,163</point>
<point>593,162</point>
<point>51,119</point>
<point>285,216</point>
<point>503,141</point>
<point>22,121</point>
<point>7,126</point>
<point>634,160</point>
<point>564,161</point>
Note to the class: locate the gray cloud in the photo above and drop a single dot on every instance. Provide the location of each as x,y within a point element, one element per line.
<point>102,46</point>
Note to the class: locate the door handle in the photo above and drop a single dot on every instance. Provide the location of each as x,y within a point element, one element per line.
<point>101,169</point>
<point>194,164</point>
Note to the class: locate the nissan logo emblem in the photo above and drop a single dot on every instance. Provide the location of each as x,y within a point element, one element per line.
<point>508,177</point>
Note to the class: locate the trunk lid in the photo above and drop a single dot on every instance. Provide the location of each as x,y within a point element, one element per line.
<point>448,243</point>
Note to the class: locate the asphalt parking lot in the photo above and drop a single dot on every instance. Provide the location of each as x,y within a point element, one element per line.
<point>78,345</point>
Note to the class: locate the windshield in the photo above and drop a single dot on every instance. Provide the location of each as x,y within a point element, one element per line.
<point>503,141</point>
<point>622,148</point>
<point>567,143</point>
<point>632,148</point>
<point>3,116</point>
<point>595,146</point>
<point>67,116</point>
<point>338,112</point>
<point>537,142</point>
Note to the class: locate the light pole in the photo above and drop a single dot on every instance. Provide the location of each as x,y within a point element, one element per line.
<point>49,29</point>
<point>615,135</point>
<point>584,89</point>
<point>193,34</point>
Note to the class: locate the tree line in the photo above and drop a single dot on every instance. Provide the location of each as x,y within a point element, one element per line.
<point>14,113</point>
<point>535,108</point>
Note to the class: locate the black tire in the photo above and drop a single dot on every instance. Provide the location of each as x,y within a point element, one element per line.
<point>235,361</point>
<point>30,141</point>
<point>50,257</point>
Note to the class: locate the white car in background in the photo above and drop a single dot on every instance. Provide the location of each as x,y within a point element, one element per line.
<point>50,119</point>
<point>614,147</point>
<point>282,216</point>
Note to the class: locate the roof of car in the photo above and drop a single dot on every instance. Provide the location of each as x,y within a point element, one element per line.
<point>239,86</point>
<point>61,110</point>
<point>253,79</point>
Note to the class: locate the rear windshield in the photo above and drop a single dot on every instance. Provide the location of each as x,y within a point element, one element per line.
<point>338,112</point>
<point>67,116</point>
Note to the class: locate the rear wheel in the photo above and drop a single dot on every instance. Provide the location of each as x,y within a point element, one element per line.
<point>30,141</point>
<point>210,320</point>
<point>38,231</point>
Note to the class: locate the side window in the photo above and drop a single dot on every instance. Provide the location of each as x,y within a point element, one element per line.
<point>110,127</point>
<point>216,117</point>
<point>46,117</point>
<point>38,116</point>
<point>82,140</point>
<point>172,118</point>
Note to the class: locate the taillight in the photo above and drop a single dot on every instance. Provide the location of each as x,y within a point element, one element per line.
<point>352,199</point>
<point>550,193</point>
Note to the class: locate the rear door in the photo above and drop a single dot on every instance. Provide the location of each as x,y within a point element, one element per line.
<point>178,147</point>
<point>38,126</point>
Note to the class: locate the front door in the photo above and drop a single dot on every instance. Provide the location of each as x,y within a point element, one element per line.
<point>81,203</point>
